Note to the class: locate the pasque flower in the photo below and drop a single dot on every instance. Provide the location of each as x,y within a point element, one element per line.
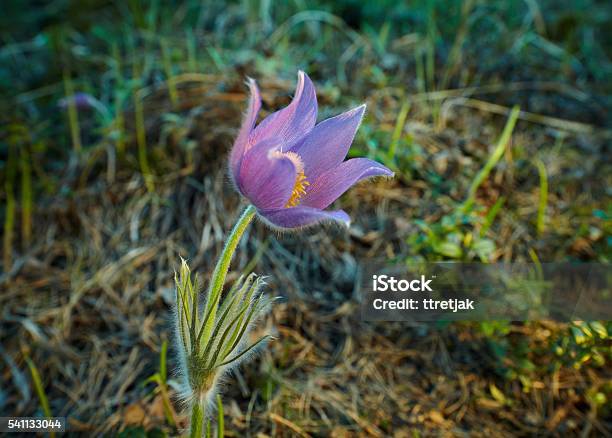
<point>82,101</point>
<point>290,169</point>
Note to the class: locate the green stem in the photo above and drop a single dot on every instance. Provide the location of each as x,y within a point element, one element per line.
<point>223,264</point>
<point>9,219</point>
<point>141,139</point>
<point>197,418</point>
<point>214,294</point>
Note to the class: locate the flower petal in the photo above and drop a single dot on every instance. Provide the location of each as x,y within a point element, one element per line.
<point>297,217</point>
<point>266,179</point>
<point>328,143</point>
<point>332,184</point>
<point>295,120</point>
<point>241,143</point>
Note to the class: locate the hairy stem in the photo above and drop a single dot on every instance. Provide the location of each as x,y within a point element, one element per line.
<point>197,419</point>
<point>223,264</point>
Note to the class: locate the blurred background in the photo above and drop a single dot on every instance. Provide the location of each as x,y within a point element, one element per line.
<point>116,120</point>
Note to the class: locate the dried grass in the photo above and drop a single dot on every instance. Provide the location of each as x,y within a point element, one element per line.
<point>89,301</point>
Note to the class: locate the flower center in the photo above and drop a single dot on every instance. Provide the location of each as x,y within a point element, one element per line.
<point>300,184</point>
<point>299,190</point>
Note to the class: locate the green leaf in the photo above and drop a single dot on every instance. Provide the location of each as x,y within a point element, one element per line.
<point>245,351</point>
<point>218,324</point>
<point>448,249</point>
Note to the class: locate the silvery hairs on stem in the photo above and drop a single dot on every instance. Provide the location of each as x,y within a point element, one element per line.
<point>212,336</point>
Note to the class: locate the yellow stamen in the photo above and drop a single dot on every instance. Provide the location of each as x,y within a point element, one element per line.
<point>299,187</point>
<point>299,190</point>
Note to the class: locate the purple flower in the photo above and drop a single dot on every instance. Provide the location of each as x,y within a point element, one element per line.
<point>82,101</point>
<point>290,169</point>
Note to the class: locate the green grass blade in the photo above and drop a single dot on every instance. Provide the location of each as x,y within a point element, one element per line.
<point>491,215</point>
<point>220,420</point>
<point>73,116</point>
<point>163,390</point>
<point>141,140</point>
<point>167,63</point>
<point>9,219</point>
<point>399,129</point>
<point>493,159</point>
<point>40,389</point>
<point>192,64</point>
<point>541,222</point>
<point>119,121</point>
<point>162,384</point>
<point>455,56</point>
<point>38,386</point>
<point>420,71</point>
<point>26,196</point>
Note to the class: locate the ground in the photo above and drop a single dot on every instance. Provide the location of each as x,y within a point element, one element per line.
<point>99,207</point>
